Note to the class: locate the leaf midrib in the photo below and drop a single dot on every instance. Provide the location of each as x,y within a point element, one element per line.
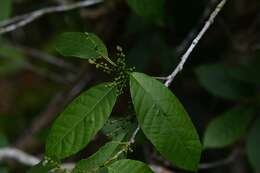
<point>94,43</point>
<point>78,122</point>
<point>155,102</point>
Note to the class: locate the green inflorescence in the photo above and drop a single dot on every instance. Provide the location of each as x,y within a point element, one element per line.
<point>120,71</point>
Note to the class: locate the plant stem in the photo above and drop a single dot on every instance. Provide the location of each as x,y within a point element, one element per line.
<point>110,61</point>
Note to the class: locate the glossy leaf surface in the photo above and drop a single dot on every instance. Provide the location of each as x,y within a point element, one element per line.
<point>81,45</point>
<point>129,166</point>
<point>80,121</point>
<point>165,122</point>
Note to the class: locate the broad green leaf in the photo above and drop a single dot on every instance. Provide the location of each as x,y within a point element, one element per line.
<point>252,147</point>
<point>97,161</point>
<point>5,9</point>
<point>227,128</point>
<point>129,166</point>
<point>43,167</point>
<point>80,121</point>
<point>150,10</point>
<point>165,122</point>
<point>216,78</point>
<point>81,45</point>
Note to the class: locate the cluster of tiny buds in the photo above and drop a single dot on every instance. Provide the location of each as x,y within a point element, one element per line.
<point>56,166</point>
<point>48,160</point>
<point>120,57</point>
<point>101,65</point>
<point>120,71</point>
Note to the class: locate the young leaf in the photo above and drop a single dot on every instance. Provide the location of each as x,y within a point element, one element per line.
<point>227,128</point>
<point>5,9</point>
<point>252,147</point>
<point>81,45</point>
<point>129,166</point>
<point>165,122</point>
<point>80,121</point>
<point>216,78</point>
<point>150,10</point>
<point>97,160</point>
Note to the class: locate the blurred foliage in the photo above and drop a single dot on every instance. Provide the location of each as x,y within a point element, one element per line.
<point>12,59</point>
<point>5,9</point>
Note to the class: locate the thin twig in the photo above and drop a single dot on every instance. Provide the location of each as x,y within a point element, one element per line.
<point>25,158</point>
<point>194,43</point>
<point>18,155</point>
<point>20,21</point>
<point>129,143</point>
<point>188,39</point>
<point>30,160</point>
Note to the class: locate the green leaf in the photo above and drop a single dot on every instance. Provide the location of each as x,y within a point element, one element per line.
<point>43,167</point>
<point>165,122</point>
<point>227,128</point>
<point>252,147</point>
<point>81,45</point>
<point>218,80</point>
<point>98,160</point>
<point>80,121</point>
<point>150,10</point>
<point>5,9</point>
<point>129,166</point>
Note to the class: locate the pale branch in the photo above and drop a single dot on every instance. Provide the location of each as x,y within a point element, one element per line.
<point>163,78</point>
<point>194,43</point>
<point>20,21</point>
<point>20,156</point>
<point>30,160</point>
<point>129,143</point>
<point>192,33</point>
<point>186,55</point>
